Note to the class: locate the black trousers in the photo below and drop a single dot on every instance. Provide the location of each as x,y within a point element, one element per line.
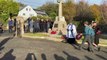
<point>72,41</point>
<point>96,40</point>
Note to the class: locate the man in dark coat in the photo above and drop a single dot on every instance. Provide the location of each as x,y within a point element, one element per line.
<point>41,25</point>
<point>36,26</point>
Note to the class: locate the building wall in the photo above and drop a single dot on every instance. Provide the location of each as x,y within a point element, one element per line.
<point>27,12</point>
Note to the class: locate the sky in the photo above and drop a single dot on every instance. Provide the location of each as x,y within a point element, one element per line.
<point>37,3</point>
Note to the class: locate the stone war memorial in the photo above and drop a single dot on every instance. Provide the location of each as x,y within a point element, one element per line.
<point>60,24</point>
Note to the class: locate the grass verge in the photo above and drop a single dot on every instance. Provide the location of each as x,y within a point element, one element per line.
<point>36,34</point>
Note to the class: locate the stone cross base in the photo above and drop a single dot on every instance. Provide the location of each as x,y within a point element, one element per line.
<point>60,25</point>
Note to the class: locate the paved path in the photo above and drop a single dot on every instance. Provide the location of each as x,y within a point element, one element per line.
<point>36,49</point>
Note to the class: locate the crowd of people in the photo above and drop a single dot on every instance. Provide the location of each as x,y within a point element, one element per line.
<point>39,25</point>
<point>30,25</point>
<point>91,36</point>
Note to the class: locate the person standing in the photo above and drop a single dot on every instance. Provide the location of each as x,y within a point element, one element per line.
<point>1,28</point>
<point>28,20</point>
<point>86,34</point>
<point>48,26</point>
<point>10,22</point>
<point>88,37</point>
<point>31,26</point>
<point>36,26</point>
<point>97,35</point>
<point>41,25</point>
<point>15,24</point>
<point>45,26</point>
<point>51,24</point>
<point>71,34</point>
<point>91,38</point>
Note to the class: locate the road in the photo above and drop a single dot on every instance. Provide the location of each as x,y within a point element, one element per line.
<point>39,49</point>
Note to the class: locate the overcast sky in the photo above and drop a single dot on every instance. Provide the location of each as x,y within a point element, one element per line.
<point>37,3</point>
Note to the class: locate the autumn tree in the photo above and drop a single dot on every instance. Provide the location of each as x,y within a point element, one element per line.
<point>69,10</point>
<point>7,9</point>
<point>83,13</point>
<point>104,11</point>
<point>103,21</point>
<point>51,9</point>
<point>96,11</point>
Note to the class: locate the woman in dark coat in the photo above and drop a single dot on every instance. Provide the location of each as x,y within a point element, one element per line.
<point>44,26</point>
<point>41,24</point>
<point>97,35</point>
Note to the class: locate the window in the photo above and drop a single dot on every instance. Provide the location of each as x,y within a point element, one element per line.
<point>23,13</point>
<point>26,9</point>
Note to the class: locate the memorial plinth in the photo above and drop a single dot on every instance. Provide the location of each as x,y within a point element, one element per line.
<point>60,24</point>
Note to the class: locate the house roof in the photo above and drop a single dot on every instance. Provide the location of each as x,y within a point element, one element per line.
<point>22,6</point>
<point>39,12</point>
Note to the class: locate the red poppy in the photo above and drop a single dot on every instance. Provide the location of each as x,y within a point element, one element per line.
<point>79,36</point>
<point>53,32</point>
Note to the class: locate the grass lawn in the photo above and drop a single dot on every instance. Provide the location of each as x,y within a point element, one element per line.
<point>36,34</point>
<point>103,36</point>
<point>102,41</point>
